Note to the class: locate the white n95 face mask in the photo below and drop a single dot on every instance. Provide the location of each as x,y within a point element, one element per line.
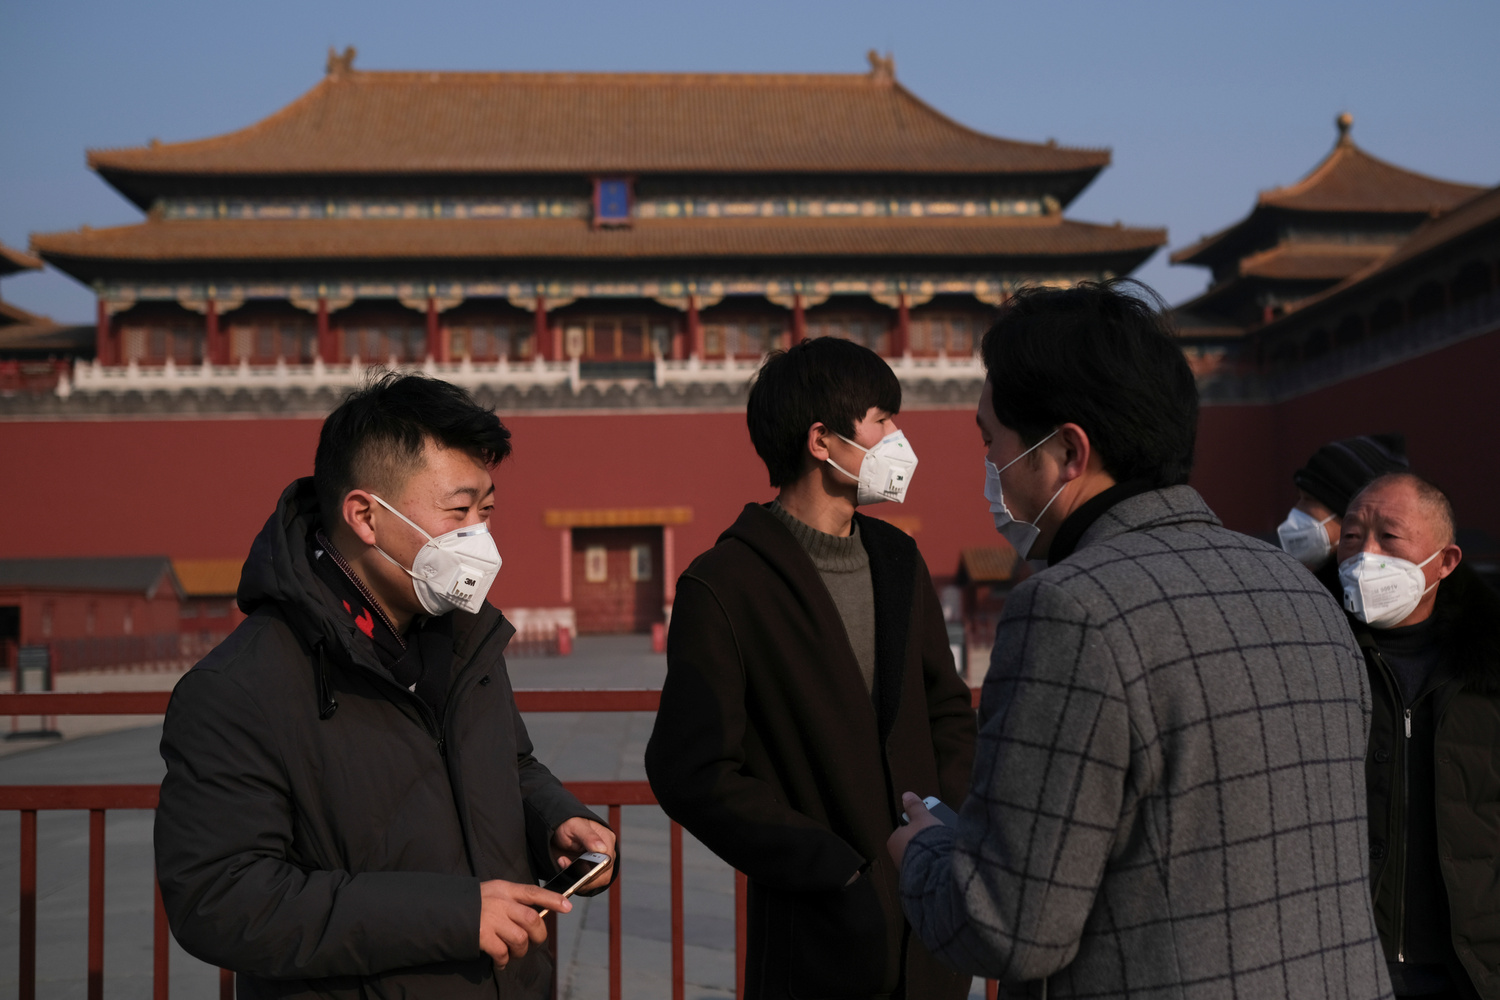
<point>886,470</point>
<point>1021,535</point>
<point>1382,590</point>
<point>1304,537</point>
<point>453,571</point>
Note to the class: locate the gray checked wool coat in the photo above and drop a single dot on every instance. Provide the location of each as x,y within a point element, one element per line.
<point>1168,796</point>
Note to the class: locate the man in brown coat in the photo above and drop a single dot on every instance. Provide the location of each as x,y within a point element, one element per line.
<point>809,682</point>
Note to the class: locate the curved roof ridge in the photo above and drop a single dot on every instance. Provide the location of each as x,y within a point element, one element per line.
<point>1313,177</point>
<point>97,155</point>
<point>13,260</point>
<point>1348,157</point>
<point>410,121</point>
<point>1104,152</point>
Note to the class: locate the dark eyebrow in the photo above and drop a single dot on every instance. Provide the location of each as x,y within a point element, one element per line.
<point>472,493</point>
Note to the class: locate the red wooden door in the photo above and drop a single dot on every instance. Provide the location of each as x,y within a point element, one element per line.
<point>617,579</point>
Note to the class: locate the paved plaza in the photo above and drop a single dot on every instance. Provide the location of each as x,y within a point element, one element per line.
<point>577,746</point>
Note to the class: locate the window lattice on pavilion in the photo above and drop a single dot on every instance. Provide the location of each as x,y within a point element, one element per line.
<point>866,329</point>
<point>491,341</point>
<point>946,333</point>
<point>154,343</point>
<point>380,343</point>
<point>264,341</point>
<point>748,337</point>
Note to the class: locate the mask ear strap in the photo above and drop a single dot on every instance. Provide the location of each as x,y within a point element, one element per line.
<point>391,559</point>
<point>1424,562</point>
<point>844,470</point>
<point>1050,502</point>
<point>847,441</point>
<point>1013,461</point>
<point>402,516</point>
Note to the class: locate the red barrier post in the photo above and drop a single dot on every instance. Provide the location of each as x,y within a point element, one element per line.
<point>226,985</point>
<point>96,904</point>
<point>564,641</point>
<point>658,637</point>
<point>27,964</point>
<point>679,974</point>
<point>991,990</point>
<point>614,913</point>
<point>161,941</point>
<point>550,920</point>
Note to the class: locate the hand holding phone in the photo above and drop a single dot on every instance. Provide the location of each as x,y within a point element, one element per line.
<point>940,812</point>
<point>576,875</point>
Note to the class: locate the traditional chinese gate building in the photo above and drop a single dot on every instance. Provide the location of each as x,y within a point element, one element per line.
<point>602,257</point>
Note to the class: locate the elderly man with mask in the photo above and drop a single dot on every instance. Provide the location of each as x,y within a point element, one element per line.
<point>1325,485</point>
<point>1430,632</point>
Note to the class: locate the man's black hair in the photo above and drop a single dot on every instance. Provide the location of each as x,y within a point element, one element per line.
<point>825,380</point>
<point>375,438</point>
<point>1098,356</point>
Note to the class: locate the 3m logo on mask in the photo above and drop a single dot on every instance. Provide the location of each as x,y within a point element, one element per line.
<point>895,487</point>
<point>465,557</point>
<point>465,584</point>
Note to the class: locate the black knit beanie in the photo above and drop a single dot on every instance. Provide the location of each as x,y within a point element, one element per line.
<point>1340,469</point>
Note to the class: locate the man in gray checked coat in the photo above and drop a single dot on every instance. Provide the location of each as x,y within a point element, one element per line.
<point>1168,795</point>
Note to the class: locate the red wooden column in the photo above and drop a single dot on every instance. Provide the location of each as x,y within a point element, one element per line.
<point>799,320</point>
<point>103,349</point>
<point>542,343</point>
<point>695,328</point>
<point>327,349</point>
<point>212,349</point>
<point>437,342</point>
<point>901,339</point>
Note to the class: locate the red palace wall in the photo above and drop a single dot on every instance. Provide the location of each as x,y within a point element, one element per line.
<point>1447,403</point>
<point>203,488</point>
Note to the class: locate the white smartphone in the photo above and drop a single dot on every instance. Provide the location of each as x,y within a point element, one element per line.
<point>939,810</point>
<point>575,876</point>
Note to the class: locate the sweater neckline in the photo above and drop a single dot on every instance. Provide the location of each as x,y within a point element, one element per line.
<point>829,553</point>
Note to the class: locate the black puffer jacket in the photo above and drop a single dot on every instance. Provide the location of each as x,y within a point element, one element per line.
<point>1463,722</point>
<point>319,831</point>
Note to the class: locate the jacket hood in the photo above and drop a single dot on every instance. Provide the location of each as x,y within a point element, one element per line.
<point>277,571</point>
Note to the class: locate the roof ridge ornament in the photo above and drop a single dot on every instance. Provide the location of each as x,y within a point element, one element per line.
<point>882,68</point>
<point>1345,122</point>
<point>338,65</point>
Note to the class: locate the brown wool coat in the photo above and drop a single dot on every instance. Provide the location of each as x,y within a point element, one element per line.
<point>768,748</point>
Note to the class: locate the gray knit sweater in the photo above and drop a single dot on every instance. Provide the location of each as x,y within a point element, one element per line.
<point>844,566</point>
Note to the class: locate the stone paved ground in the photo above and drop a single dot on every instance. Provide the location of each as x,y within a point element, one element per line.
<point>577,746</point>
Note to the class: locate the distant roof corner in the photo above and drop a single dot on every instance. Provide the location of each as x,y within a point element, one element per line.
<point>882,68</point>
<point>13,260</point>
<point>338,64</point>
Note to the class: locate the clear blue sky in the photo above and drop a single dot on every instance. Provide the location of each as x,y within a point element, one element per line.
<point>1203,102</point>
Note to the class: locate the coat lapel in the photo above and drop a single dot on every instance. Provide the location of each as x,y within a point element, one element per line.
<point>893,577</point>
<point>759,528</point>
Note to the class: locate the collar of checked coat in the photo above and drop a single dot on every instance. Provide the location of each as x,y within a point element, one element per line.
<point>1152,509</point>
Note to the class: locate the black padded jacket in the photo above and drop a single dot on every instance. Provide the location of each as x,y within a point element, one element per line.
<point>320,831</point>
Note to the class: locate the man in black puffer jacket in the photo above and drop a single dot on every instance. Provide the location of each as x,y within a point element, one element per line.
<point>351,807</point>
<point>1430,631</point>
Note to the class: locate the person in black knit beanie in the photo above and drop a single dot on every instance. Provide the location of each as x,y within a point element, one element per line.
<point>1325,485</point>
